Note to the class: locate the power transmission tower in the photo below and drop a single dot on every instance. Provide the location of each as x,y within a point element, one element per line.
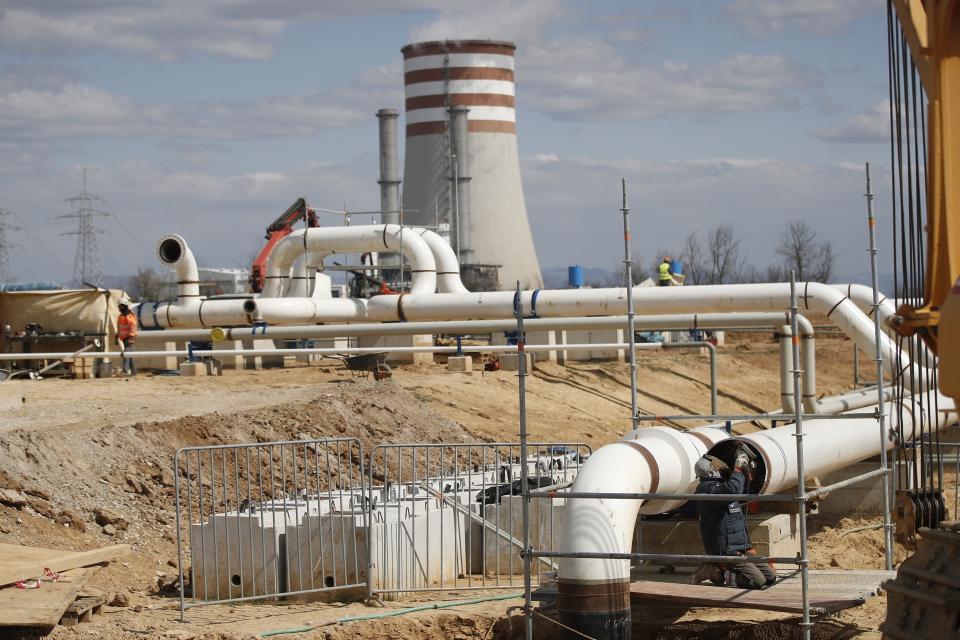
<point>5,245</point>
<point>86,263</point>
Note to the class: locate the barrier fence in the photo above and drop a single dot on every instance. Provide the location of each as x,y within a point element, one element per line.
<point>263,520</point>
<point>290,518</point>
<point>448,516</point>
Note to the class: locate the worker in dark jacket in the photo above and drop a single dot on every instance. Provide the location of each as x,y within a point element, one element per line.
<point>723,525</point>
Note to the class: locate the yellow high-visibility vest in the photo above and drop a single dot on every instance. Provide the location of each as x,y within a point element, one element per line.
<point>665,271</point>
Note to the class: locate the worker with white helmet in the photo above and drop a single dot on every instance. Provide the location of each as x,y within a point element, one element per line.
<point>126,333</point>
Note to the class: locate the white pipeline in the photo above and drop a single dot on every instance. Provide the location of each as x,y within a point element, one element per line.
<point>660,460</point>
<point>325,241</point>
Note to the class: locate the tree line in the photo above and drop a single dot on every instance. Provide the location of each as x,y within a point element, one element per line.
<point>717,256</point>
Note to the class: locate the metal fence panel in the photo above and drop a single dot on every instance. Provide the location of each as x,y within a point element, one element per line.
<point>449,516</point>
<point>271,519</point>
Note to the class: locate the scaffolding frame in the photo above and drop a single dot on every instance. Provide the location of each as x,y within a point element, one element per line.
<point>802,495</point>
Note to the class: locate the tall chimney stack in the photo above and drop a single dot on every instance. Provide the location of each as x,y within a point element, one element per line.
<point>389,166</point>
<point>449,84</point>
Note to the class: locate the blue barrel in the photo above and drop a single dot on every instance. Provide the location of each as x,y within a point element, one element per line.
<point>575,276</point>
<point>676,268</point>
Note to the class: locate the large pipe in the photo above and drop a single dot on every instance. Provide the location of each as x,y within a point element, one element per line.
<point>302,276</point>
<point>448,266</point>
<point>815,297</point>
<point>389,167</point>
<point>704,321</point>
<point>808,367</point>
<point>331,240</point>
<point>172,250</point>
<point>594,594</point>
<point>422,304</point>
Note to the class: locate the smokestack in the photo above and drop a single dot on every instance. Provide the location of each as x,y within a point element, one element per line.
<point>460,181</point>
<point>440,78</point>
<point>389,166</point>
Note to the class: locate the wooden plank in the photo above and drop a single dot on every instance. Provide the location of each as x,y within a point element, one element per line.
<point>703,596</point>
<point>18,562</point>
<point>43,607</point>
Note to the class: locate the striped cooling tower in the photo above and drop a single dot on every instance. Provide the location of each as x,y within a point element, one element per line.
<point>447,80</point>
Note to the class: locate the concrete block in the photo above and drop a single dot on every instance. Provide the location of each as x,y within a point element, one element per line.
<point>383,342</point>
<point>776,535</point>
<point>600,336</point>
<point>193,369</point>
<point>864,498</point>
<point>231,362</point>
<point>511,361</point>
<point>460,364</point>
<point>11,396</point>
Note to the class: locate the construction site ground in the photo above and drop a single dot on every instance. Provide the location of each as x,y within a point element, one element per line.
<point>77,445</point>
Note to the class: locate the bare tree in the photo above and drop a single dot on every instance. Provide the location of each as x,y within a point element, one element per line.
<point>719,262</point>
<point>692,260</point>
<point>804,252</point>
<point>726,261</point>
<point>146,285</point>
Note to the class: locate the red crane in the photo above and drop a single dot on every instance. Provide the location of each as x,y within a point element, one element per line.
<point>277,231</point>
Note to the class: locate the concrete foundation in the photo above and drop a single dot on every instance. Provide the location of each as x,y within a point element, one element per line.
<point>600,336</point>
<point>193,369</point>
<point>864,498</point>
<point>771,535</point>
<point>511,361</point>
<point>425,358</point>
<point>460,364</point>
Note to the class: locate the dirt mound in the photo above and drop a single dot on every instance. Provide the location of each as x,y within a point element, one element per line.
<point>115,484</point>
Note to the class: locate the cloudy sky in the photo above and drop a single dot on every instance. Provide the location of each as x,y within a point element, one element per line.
<point>209,117</point>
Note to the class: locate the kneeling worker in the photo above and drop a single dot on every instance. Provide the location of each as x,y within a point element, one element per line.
<point>723,525</point>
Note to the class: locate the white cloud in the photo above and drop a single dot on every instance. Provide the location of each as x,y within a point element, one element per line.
<point>871,125</point>
<point>78,111</point>
<point>584,78</point>
<point>517,20</point>
<point>766,17</point>
<point>164,30</point>
<point>171,29</point>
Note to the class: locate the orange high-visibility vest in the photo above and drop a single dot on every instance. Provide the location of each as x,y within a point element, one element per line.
<point>126,326</point>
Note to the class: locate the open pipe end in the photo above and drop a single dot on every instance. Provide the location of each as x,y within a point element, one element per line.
<point>726,450</point>
<point>249,305</point>
<point>171,249</point>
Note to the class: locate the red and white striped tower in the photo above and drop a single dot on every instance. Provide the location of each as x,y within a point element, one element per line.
<point>472,186</point>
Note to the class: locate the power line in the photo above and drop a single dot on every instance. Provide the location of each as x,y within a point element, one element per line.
<point>56,258</point>
<point>86,263</point>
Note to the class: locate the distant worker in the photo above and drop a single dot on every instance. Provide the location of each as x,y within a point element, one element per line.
<point>666,274</point>
<point>723,525</point>
<point>126,333</point>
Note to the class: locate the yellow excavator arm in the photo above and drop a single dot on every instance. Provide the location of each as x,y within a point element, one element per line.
<point>932,31</point>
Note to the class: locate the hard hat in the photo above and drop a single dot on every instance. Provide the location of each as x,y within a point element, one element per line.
<point>124,302</point>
